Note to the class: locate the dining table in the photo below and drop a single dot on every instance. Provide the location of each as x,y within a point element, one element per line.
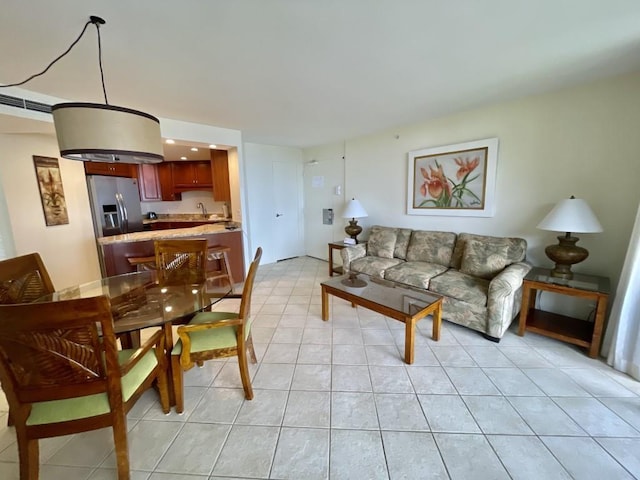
<point>139,301</point>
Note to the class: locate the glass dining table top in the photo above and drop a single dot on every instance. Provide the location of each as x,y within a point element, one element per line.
<point>139,301</point>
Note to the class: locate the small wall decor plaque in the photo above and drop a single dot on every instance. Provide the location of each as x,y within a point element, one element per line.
<point>453,180</point>
<point>54,205</point>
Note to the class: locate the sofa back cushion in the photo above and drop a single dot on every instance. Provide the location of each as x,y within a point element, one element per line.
<point>382,241</point>
<point>515,248</point>
<point>402,243</point>
<point>432,247</point>
<point>484,260</point>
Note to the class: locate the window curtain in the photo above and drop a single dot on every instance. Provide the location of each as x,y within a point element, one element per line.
<point>624,346</point>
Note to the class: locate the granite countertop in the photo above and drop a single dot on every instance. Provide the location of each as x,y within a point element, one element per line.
<point>186,217</point>
<point>172,233</point>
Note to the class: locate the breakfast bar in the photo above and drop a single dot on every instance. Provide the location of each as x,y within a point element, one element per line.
<point>116,250</point>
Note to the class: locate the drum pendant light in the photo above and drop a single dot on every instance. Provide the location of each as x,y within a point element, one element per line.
<point>102,132</point>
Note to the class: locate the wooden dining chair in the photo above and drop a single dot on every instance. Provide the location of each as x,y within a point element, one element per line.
<point>23,279</point>
<point>216,334</point>
<point>181,261</point>
<point>62,373</point>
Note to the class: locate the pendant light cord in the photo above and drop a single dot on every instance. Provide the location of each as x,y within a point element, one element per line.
<point>97,21</point>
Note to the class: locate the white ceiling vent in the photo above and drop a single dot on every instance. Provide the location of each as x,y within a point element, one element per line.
<point>24,104</point>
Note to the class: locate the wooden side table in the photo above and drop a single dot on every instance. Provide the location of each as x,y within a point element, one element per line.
<point>335,246</point>
<point>568,329</point>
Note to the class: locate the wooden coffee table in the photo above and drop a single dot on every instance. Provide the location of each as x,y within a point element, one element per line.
<point>394,300</point>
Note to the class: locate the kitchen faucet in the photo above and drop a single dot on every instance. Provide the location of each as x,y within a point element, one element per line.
<point>200,205</point>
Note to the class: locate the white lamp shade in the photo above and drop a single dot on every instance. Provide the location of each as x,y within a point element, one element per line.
<point>106,133</point>
<point>354,210</point>
<point>571,215</point>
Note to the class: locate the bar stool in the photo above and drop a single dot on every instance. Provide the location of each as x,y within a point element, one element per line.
<point>219,253</point>
<point>142,264</point>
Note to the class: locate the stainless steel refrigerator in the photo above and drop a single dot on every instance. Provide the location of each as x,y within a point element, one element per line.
<point>115,202</point>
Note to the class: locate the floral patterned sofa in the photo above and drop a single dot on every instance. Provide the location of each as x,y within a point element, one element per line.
<point>480,277</point>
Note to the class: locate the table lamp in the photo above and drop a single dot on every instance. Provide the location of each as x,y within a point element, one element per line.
<point>354,210</point>
<point>569,215</point>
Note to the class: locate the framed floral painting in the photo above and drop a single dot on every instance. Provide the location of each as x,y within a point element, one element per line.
<point>453,180</point>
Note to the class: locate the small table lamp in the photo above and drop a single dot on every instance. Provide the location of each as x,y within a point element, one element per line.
<point>569,215</point>
<point>354,210</point>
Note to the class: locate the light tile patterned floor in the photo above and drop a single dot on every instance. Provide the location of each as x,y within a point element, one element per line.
<point>334,400</point>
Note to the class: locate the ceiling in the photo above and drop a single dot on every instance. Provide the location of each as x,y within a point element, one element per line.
<point>310,72</point>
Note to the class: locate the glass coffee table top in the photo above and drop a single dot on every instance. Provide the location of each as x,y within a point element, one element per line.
<point>396,296</point>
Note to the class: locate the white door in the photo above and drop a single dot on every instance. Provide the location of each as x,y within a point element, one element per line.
<point>323,189</point>
<point>287,215</point>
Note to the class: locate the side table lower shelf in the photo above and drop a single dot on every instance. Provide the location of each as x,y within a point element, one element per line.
<point>561,327</point>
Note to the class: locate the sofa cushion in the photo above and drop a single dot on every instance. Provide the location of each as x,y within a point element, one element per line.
<point>431,247</point>
<point>517,247</point>
<point>402,243</point>
<point>461,286</point>
<point>382,241</point>
<point>374,266</point>
<point>484,260</point>
<point>417,274</point>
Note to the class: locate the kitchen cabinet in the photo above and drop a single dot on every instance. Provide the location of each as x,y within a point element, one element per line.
<point>165,179</point>
<point>149,183</point>
<point>113,169</point>
<point>220,170</point>
<point>192,175</point>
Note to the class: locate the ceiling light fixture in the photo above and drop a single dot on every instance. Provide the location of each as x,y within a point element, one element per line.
<point>194,149</point>
<point>102,132</point>
<point>212,146</point>
<point>183,158</point>
<point>170,141</point>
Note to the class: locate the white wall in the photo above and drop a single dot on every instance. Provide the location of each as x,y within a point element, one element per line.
<point>68,251</point>
<point>581,141</point>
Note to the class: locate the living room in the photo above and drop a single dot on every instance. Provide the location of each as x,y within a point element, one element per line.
<point>578,138</point>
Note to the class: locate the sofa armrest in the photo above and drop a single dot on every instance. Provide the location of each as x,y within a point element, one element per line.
<point>352,253</point>
<point>503,290</point>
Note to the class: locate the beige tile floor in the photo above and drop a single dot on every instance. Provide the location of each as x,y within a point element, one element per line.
<point>334,400</point>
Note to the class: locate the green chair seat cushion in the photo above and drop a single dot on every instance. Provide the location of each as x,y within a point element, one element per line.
<point>54,411</point>
<point>212,339</point>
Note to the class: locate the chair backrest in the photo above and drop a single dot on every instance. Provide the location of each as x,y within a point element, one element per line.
<point>57,350</point>
<point>24,279</point>
<point>245,303</point>
<point>181,261</point>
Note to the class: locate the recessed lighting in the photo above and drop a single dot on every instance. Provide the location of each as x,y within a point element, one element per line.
<point>194,149</point>
<point>169,141</point>
<point>212,146</point>
<point>183,158</point>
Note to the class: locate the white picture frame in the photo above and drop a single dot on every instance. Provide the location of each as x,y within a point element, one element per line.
<point>453,180</point>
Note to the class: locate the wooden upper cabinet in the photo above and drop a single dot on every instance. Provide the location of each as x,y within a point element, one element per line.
<point>113,169</point>
<point>220,167</point>
<point>149,183</point>
<point>191,175</point>
<point>165,177</point>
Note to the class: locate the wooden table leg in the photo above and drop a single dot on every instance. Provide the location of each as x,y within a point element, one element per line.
<point>325,304</point>
<point>409,339</point>
<point>524,309</point>
<point>437,322</point>
<point>596,339</point>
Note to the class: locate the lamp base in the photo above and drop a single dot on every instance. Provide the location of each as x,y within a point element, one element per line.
<point>565,254</point>
<point>353,229</point>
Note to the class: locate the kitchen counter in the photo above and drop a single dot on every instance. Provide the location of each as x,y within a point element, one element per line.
<point>213,228</point>
<point>115,251</point>
<point>186,218</point>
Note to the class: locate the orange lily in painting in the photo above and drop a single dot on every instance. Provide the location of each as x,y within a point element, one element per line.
<point>435,183</point>
<point>466,166</point>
